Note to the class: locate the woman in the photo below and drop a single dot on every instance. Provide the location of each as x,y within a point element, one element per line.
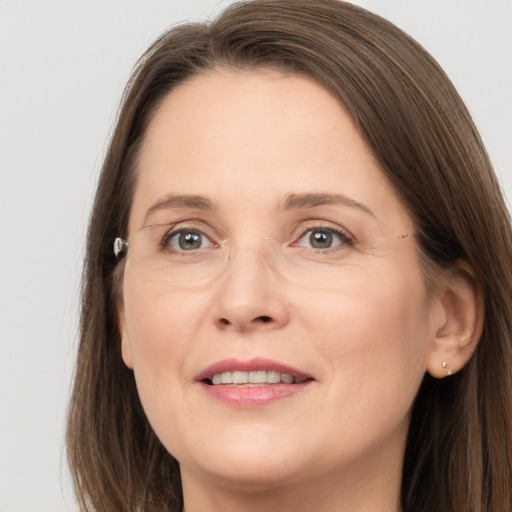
<point>307,302</point>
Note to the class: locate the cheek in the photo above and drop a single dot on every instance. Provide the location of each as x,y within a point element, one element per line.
<point>157,317</point>
<point>160,326</point>
<point>375,337</point>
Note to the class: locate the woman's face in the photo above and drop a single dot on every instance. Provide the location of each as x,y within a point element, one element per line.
<point>283,250</point>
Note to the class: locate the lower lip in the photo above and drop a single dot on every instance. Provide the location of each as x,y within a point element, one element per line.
<point>253,396</point>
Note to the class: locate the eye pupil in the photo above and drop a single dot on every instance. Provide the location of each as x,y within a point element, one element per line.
<point>190,240</point>
<point>320,239</point>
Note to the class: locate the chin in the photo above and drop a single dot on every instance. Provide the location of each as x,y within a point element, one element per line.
<point>250,459</point>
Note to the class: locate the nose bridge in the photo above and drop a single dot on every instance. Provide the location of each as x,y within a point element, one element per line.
<point>248,295</point>
<point>250,271</point>
<point>261,252</point>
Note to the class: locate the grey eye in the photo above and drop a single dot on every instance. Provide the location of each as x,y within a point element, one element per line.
<point>188,240</point>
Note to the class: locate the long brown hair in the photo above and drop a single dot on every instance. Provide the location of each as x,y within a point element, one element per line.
<point>459,450</point>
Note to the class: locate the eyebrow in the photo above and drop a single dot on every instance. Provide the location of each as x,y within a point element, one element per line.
<point>291,202</point>
<point>180,201</point>
<point>305,201</point>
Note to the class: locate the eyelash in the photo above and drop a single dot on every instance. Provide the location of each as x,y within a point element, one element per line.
<point>345,239</point>
<point>167,238</point>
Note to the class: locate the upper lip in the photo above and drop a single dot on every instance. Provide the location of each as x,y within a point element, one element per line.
<point>251,365</point>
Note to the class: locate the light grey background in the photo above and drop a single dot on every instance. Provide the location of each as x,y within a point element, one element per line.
<point>63,65</point>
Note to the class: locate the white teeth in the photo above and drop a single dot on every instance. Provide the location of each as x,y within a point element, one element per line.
<point>256,377</point>
<point>273,377</point>
<point>226,378</point>
<point>288,379</point>
<point>240,377</point>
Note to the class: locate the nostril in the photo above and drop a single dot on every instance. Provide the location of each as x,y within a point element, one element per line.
<point>245,323</point>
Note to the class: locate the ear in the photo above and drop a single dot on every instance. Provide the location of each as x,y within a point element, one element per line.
<point>457,336</point>
<point>126,347</point>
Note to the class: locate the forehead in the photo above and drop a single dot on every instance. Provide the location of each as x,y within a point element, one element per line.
<point>252,137</point>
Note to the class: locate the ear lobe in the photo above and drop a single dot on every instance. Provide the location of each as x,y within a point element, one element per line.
<point>455,341</point>
<point>126,348</point>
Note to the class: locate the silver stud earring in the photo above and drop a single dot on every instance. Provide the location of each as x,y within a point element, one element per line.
<point>120,246</point>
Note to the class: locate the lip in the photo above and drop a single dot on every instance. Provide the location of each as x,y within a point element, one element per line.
<point>252,396</point>
<point>252,365</point>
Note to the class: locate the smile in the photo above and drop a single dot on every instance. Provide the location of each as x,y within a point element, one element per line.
<point>254,378</point>
<point>252,383</point>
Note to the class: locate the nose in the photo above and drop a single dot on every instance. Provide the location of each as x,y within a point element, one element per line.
<point>248,296</point>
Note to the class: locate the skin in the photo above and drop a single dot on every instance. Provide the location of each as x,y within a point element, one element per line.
<point>356,318</point>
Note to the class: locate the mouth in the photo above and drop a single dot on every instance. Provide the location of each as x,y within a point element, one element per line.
<point>257,371</point>
<point>255,382</point>
<point>253,378</point>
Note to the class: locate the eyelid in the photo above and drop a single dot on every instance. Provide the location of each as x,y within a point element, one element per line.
<point>343,233</point>
<point>216,238</point>
<point>166,239</point>
<point>191,223</point>
<point>186,222</point>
